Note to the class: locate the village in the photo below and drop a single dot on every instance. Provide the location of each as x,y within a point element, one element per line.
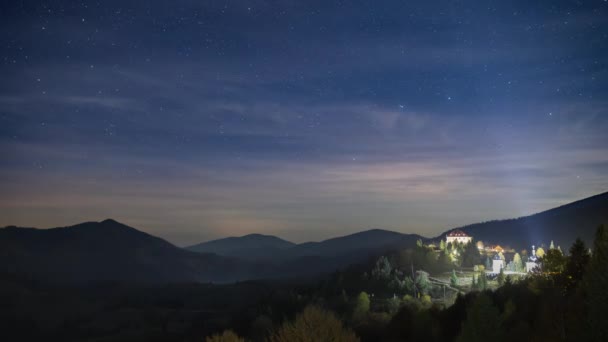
<point>497,264</point>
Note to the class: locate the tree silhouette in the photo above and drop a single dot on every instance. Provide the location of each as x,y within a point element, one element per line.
<point>483,322</point>
<point>314,325</point>
<point>226,336</point>
<point>596,285</point>
<point>361,306</point>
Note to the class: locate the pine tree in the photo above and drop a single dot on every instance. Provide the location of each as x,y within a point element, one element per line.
<point>482,283</point>
<point>454,279</point>
<point>517,263</point>
<point>483,322</point>
<point>577,263</point>
<point>595,284</point>
<point>501,278</point>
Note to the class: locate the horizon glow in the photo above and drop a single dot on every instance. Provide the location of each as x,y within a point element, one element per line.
<point>304,120</point>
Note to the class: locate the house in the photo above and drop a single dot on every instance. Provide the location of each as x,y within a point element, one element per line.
<point>458,236</point>
<point>497,264</point>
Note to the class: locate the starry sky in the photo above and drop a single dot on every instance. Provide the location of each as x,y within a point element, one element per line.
<point>194,120</point>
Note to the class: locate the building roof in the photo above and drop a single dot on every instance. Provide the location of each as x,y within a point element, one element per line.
<point>457,233</point>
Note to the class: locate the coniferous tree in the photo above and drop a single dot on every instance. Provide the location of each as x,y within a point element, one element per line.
<point>577,262</point>
<point>470,255</point>
<point>517,263</point>
<point>501,278</point>
<point>483,322</point>
<point>454,279</point>
<point>482,283</point>
<point>595,286</point>
<point>383,269</point>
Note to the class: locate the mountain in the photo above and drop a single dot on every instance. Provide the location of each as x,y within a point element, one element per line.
<point>252,245</point>
<point>109,251</point>
<point>369,240</point>
<point>341,250</point>
<point>562,225</point>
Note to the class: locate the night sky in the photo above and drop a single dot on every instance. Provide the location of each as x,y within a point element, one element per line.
<point>194,120</point>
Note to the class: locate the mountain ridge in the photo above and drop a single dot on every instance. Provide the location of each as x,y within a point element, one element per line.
<point>111,251</point>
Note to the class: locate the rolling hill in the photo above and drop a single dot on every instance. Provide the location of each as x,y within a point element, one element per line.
<point>268,248</point>
<point>250,246</point>
<point>109,251</point>
<point>562,225</point>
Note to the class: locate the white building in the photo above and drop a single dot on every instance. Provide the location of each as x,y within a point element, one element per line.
<point>458,236</point>
<point>497,264</point>
<point>531,263</point>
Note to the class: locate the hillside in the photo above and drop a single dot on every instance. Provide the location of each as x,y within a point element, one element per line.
<point>369,240</point>
<point>252,245</point>
<point>108,251</point>
<point>351,247</point>
<point>562,225</point>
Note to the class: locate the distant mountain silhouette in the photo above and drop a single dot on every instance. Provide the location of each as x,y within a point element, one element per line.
<point>373,239</point>
<point>562,225</point>
<point>264,247</point>
<point>252,245</point>
<point>108,251</point>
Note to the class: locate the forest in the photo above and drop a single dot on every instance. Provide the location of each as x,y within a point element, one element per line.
<point>392,297</point>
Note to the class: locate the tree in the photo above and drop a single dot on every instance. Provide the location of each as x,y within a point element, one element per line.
<point>553,261</point>
<point>261,327</point>
<point>226,336</point>
<point>442,245</point>
<point>518,265</point>
<point>482,282</point>
<point>312,325</point>
<point>383,269</point>
<point>483,322</point>
<point>595,287</point>
<point>540,252</point>
<point>422,282</point>
<point>551,246</point>
<point>501,278</point>
<point>362,304</point>
<point>577,263</point>
<point>454,279</point>
<point>444,260</point>
<point>408,285</point>
<point>470,255</point>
